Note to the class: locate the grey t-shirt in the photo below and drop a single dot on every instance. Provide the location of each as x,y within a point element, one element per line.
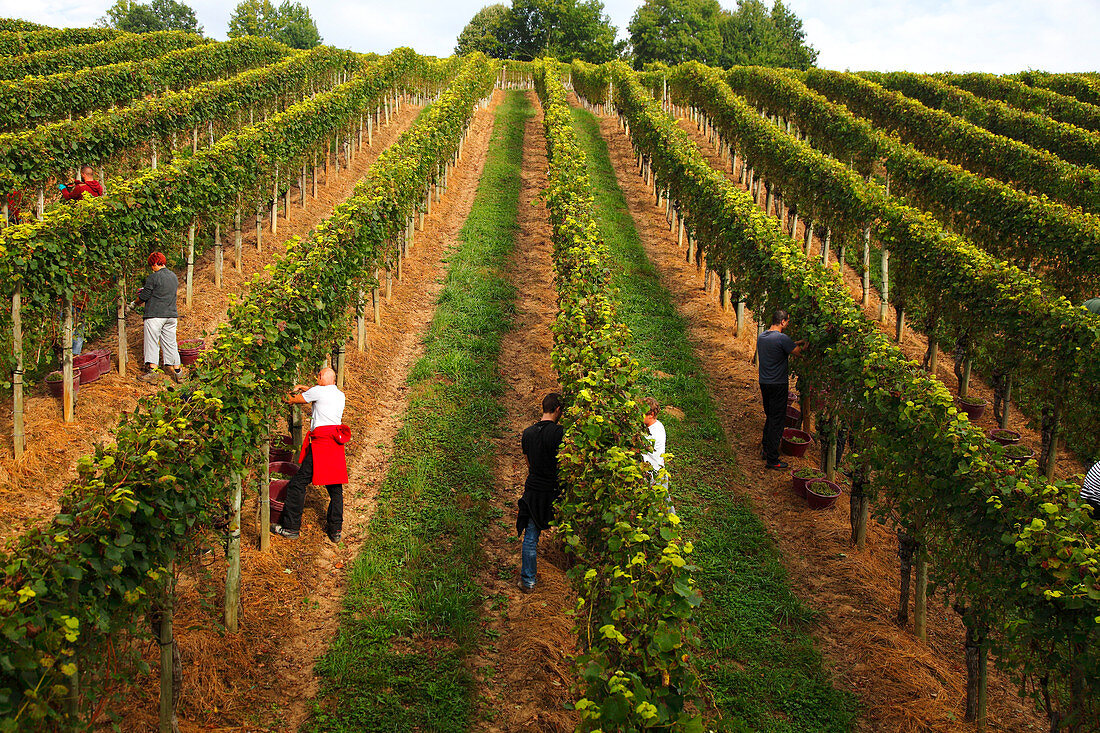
<point>159,294</point>
<point>772,349</point>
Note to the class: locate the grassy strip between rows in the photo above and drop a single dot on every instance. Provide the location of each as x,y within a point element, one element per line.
<point>398,662</point>
<point>757,662</point>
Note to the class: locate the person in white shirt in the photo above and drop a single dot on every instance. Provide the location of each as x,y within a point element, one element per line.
<point>656,457</point>
<point>322,460</point>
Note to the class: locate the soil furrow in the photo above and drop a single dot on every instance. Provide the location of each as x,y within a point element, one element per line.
<point>524,676</point>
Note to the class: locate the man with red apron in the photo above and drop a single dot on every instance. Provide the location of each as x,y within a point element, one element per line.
<point>322,460</point>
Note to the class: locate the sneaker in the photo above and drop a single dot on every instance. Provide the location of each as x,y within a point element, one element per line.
<point>176,374</point>
<point>777,466</point>
<point>335,537</point>
<point>284,532</point>
<point>526,588</point>
<point>148,376</point>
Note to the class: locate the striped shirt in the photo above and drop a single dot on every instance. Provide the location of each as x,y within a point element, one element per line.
<point>1091,488</point>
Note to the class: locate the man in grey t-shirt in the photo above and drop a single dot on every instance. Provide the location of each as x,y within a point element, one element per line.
<point>773,347</point>
<point>159,296</point>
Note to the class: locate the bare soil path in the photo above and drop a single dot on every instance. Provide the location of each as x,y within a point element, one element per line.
<point>31,486</point>
<point>902,684</point>
<point>524,677</point>
<point>262,678</point>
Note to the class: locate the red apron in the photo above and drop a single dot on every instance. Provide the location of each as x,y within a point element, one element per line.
<point>330,465</point>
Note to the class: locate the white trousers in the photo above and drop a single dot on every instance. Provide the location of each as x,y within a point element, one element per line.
<point>160,336</point>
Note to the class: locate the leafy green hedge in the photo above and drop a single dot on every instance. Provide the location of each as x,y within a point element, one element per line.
<point>13,43</point>
<point>71,588</point>
<point>15,24</point>
<point>48,258</point>
<point>1031,99</point>
<point>38,99</point>
<point>126,47</point>
<point>1029,231</point>
<point>636,594</point>
<point>1069,142</point>
<point>51,151</point>
<point>1012,549</point>
<point>1014,318</point>
<point>944,136</point>
<point>1077,86</point>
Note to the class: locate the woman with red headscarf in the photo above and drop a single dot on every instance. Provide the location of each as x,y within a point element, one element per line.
<point>159,296</point>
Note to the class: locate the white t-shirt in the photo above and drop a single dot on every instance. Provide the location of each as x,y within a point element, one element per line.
<point>328,405</point>
<point>655,458</point>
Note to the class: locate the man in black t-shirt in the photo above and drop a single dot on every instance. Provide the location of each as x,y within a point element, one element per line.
<point>536,509</point>
<point>772,349</point>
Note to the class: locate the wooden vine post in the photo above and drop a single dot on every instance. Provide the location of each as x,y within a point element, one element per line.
<point>18,433</point>
<point>171,669</point>
<point>265,496</point>
<point>339,359</point>
<point>882,307</point>
<point>190,263</point>
<point>1051,430</point>
<point>294,424</point>
<point>920,595</point>
<point>360,321</point>
<point>237,236</point>
<point>906,547</point>
<point>233,572</point>
<point>376,299</point>
<point>859,510</point>
<point>123,344</point>
<point>259,227</point>
<point>1007,402</point>
<point>68,411</point>
<point>885,301</point>
<point>275,202</point>
<point>977,674</point>
<point>866,265</point>
<point>219,255</point>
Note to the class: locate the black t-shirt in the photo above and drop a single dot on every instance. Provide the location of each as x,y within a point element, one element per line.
<point>540,444</point>
<point>772,349</point>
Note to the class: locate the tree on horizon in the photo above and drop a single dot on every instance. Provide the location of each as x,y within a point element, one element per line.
<point>674,31</point>
<point>290,23</point>
<point>157,15</point>
<point>564,29</point>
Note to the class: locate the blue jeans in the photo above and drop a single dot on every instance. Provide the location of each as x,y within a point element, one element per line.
<point>529,569</point>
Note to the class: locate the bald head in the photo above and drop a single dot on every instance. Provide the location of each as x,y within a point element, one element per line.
<point>326,376</point>
<point>87,172</point>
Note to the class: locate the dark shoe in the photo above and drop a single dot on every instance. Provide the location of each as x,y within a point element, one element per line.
<point>526,588</point>
<point>334,537</point>
<point>284,532</point>
<point>175,374</point>
<point>777,466</point>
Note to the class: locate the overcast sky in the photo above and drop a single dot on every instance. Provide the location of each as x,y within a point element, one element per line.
<point>1000,36</point>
